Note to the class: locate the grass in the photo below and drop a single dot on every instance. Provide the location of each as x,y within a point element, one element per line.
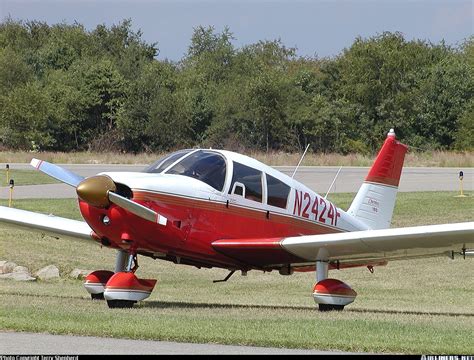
<point>25,177</point>
<point>429,158</point>
<point>422,306</point>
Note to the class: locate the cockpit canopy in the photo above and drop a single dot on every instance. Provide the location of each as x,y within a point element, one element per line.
<point>211,167</point>
<point>160,165</point>
<point>207,166</point>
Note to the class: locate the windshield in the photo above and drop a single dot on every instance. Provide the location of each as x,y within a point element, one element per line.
<point>207,166</point>
<point>159,165</point>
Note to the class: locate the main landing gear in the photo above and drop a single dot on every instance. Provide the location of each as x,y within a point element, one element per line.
<point>121,289</point>
<point>331,294</point>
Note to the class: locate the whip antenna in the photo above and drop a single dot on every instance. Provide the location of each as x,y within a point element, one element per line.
<point>335,177</point>
<point>297,166</point>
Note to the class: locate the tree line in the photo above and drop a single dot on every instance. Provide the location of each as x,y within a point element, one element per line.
<point>65,88</point>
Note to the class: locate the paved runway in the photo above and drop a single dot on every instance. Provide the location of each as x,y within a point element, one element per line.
<point>31,344</point>
<point>316,178</point>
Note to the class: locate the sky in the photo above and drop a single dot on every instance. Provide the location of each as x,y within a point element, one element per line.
<point>321,28</point>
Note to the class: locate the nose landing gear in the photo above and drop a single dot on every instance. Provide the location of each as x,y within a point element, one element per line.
<point>123,288</point>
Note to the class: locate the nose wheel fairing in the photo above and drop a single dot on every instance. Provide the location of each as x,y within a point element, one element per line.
<point>96,282</point>
<point>125,286</point>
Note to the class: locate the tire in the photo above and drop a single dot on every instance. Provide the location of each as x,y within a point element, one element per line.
<point>120,304</point>
<point>330,307</point>
<point>99,296</point>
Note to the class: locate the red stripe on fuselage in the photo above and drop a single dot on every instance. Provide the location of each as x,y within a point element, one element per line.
<point>238,210</point>
<point>194,224</point>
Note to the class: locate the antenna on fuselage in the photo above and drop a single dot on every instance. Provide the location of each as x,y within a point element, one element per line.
<point>335,177</point>
<point>297,166</point>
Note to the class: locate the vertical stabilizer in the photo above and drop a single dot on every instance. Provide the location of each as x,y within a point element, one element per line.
<point>375,201</point>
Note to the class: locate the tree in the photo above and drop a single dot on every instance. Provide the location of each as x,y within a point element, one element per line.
<point>154,116</point>
<point>70,105</point>
<point>267,107</point>
<point>13,70</point>
<point>381,76</point>
<point>122,46</point>
<point>465,133</point>
<point>27,119</point>
<point>103,89</point>
<point>443,96</point>
<point>210,54</point>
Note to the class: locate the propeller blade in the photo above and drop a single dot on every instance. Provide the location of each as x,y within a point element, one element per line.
<point>57,172</point>
<point>137,209</point>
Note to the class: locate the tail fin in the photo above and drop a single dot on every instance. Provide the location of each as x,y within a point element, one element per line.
<point>375,201</point>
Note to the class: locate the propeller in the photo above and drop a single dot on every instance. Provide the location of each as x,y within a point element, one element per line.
<point>99,191</point>
<point>57,172</point>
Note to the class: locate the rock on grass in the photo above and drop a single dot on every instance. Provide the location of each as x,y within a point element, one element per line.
<point>49,272</point>
<point>79,273</point>
<point>7,267</point>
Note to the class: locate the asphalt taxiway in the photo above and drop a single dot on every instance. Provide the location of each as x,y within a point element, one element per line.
<point>315,177</point>
<point>47,344</point>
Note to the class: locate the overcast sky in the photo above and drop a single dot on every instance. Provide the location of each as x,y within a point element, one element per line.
<point>318,27</point>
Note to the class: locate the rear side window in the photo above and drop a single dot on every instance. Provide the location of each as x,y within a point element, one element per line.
<point>277,192</point>
<point>246,181</point>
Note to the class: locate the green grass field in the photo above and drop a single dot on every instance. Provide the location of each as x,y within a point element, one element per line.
<point>416,306</point>
<point>25,177</point>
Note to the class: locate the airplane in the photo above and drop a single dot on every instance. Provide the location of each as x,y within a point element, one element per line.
<point>215,208</point>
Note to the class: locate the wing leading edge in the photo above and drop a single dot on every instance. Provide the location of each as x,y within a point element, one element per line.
<point>46,224</point>
<point>370,245</point>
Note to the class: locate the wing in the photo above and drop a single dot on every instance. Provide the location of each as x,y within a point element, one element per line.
<point>46,224</point>
<point>358,247</point>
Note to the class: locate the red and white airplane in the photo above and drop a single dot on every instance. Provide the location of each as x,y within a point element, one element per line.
<point>216,208</point>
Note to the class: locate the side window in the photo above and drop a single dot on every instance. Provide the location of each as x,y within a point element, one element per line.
<point>247,182</point>
<point>277,192</point>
